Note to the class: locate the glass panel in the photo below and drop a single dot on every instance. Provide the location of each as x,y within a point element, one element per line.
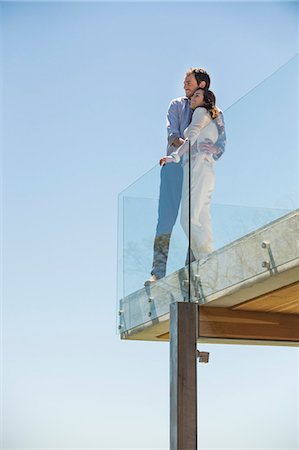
<point>260,163</point>
<point>138,215</point>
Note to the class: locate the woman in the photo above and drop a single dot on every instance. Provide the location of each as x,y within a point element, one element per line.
<point>202,177</point>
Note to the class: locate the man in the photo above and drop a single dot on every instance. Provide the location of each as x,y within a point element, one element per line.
<point>178,118</point>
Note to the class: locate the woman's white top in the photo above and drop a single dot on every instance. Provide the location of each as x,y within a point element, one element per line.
<point>201,129</point>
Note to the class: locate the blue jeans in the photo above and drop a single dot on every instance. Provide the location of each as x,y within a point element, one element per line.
<point>169,202</point>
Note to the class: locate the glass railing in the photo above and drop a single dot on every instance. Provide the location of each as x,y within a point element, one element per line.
<point>256,184</point>
<point>138,211</point>
<point>231,225</point>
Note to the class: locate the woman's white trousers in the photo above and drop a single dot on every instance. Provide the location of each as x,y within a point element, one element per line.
<point>202,183</point>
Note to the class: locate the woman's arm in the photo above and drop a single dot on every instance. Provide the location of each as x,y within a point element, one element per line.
<point>200,119</point>
<point>180,151</point>
<point>175,157</point>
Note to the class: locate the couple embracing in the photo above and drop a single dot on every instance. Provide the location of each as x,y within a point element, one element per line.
<point>195,128</point>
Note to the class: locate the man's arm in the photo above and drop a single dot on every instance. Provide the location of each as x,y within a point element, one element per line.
<point>218,148</point>
<point>173,125</point>
<point>221,141</point>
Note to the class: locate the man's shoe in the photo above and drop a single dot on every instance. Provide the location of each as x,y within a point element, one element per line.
<point>152,279</point>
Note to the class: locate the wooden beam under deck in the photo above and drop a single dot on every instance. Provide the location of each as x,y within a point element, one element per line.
<point>225,323</point>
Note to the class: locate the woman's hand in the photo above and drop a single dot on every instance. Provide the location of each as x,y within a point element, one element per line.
<point>166,160</point>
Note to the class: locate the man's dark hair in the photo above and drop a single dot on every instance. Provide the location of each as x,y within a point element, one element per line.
<point>200,75</point>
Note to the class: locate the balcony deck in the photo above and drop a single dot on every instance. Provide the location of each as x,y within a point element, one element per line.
<point>247,292</point>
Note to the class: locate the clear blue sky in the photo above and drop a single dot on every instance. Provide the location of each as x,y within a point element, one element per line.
<point>85,88</point>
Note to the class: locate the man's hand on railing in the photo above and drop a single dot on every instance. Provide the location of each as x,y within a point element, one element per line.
<point>166,160</point>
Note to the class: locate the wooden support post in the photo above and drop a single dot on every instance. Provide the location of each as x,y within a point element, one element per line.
<point>183,376</point>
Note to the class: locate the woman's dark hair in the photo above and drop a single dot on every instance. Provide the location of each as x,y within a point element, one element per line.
<point>209,99</point>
